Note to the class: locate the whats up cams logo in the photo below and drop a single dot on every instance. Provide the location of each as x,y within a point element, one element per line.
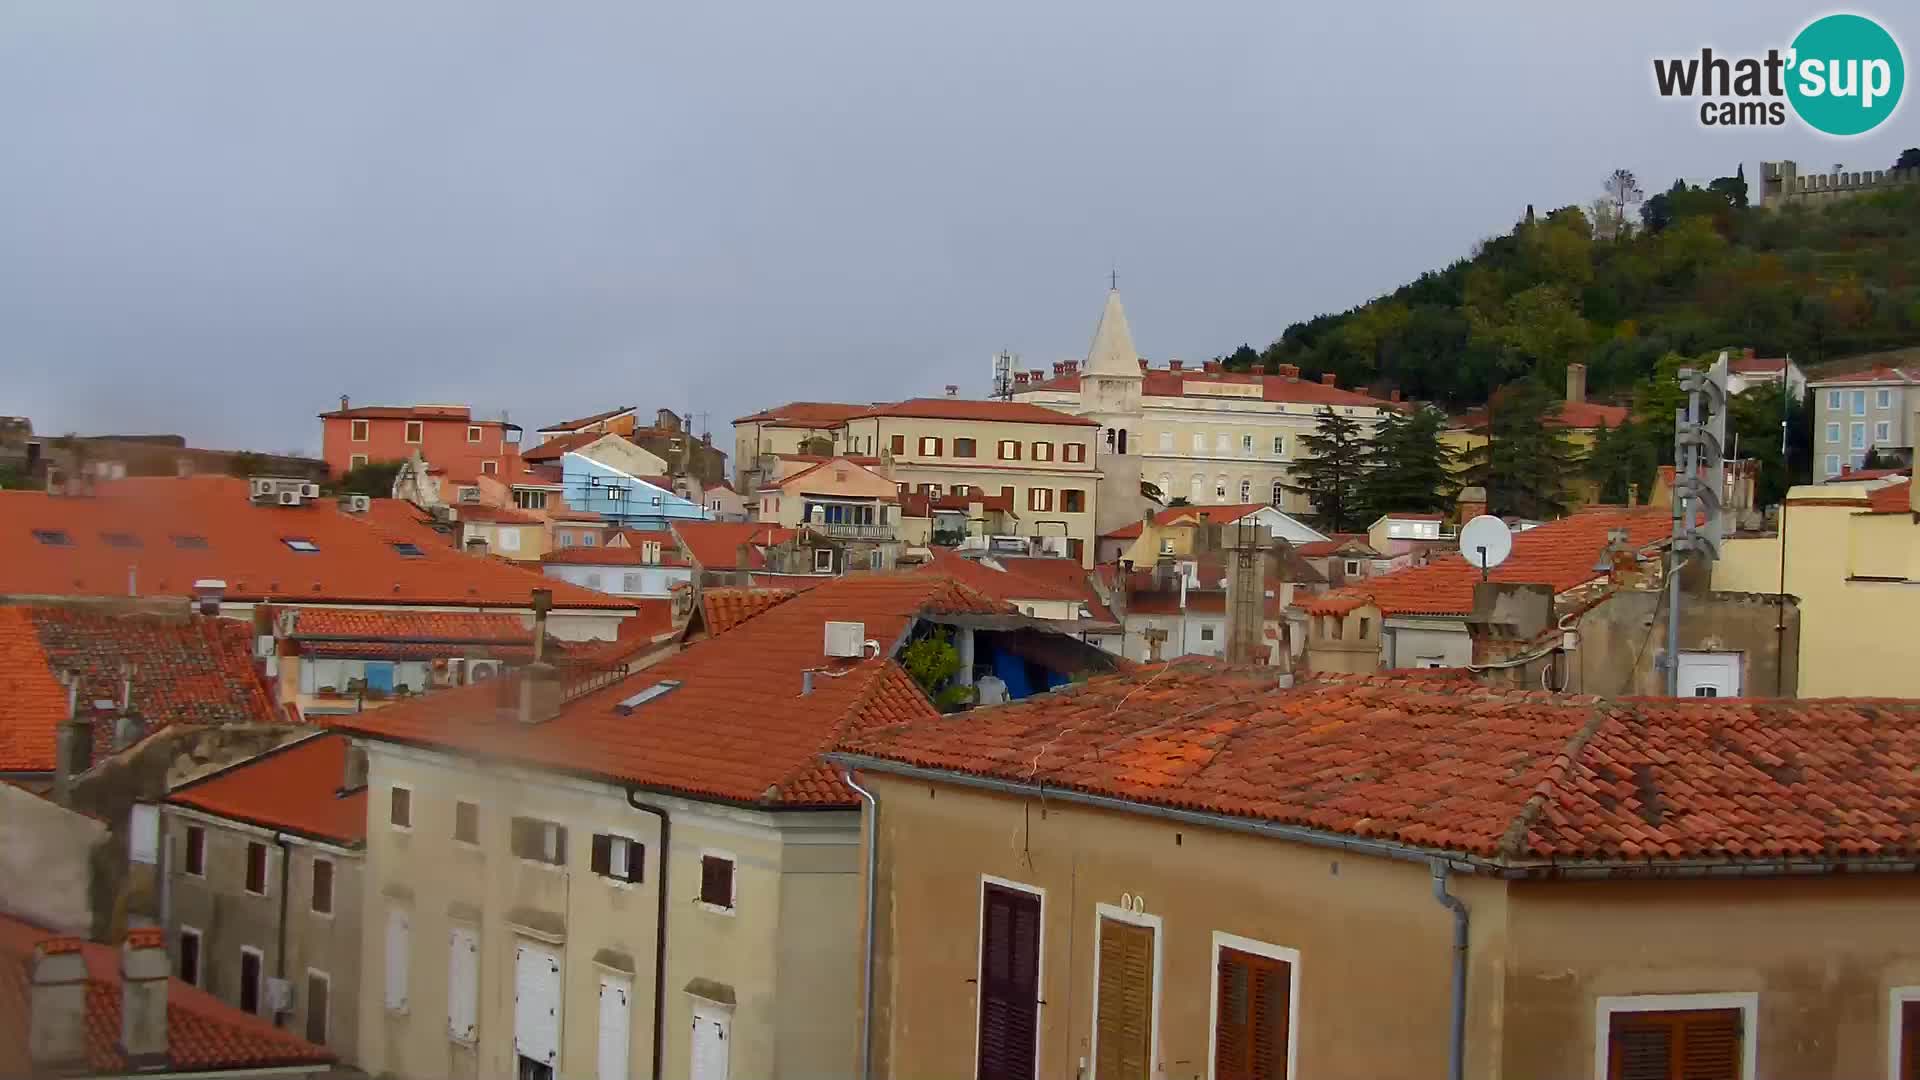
<point>1842,75</point>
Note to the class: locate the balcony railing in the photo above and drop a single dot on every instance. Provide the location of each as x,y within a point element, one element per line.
<point>847,531</point>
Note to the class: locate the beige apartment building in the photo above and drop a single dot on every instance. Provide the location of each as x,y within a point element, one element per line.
<point>1042,460</point>
<point>1201,433</point>
<point>798,427</point>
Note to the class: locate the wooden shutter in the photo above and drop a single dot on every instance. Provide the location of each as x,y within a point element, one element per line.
<point>1699,1044</point>
<point>317,1005</point>
<point>712,1031</point>
<point>398,931</point>
<point>463,982</point>
<point>1250,1034</point>
<point>1009,983</point>
<point>615,1020</point>
<point>602,854</point>
<point>1909,1040</point>
<point>536,1003</point>
<point>1123,1023</point>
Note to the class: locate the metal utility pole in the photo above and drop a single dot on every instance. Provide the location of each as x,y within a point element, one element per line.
<point>1699,485</point>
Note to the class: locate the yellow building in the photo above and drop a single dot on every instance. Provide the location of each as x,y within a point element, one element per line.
<point>1578,419</point>
<point>1196,432</point>
<point>1853,560</point>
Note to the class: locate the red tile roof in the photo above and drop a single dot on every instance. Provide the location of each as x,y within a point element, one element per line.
<point>157,536</point>
<point>1757,365</point>
<point>1576,415</point>
<point>410,412</point>
<point>552,449</point>
<point>569,425</point>
<point>715,545</point>
<point>1160,382</point>
<point>1339,602</point>
<point>917,504</point>
<point>1217,515</point>
<point>1890,375</point>
<point>354,624</point>
<point>185,671</point>
<point>1333,545</point>
<point>203,1033</point>
<point>1439,762</point>
<point>1559,553</point>
<point>1005,412</point>
<point>806,414</point>
<point>724,609</point>
<point>1016,579</point>
<point>295,788</point>
<point>738,727</point>
<point>1892,498</point>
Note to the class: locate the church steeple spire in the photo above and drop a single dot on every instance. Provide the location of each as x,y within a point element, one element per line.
<point>1112,352</point>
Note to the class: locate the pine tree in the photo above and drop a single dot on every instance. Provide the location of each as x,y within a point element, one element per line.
<point>1408,469</point>
<point>1526,462</point>
<point>1621,458</point>
<point>1330,478</point>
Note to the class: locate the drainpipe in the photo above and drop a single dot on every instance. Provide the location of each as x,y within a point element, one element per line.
<point>280,949</point>
<point>866,977</point>
<point>659,928</point>
<point>1456,1051</point>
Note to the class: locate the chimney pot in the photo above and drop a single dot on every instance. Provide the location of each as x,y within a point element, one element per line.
<point>1259,367</point>
<point>344,403</point>
<point>143,986</point>
<point>1143,365</point>
<point>1329,379</point>
<point>1210,366</point>
<point>1576,383</point>
<point>1176,365</point>
<point>57,1006</point>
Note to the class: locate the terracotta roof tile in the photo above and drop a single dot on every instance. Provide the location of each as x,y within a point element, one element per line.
<point>1559,553</point>
<point>294,787</point>
<point>737,727</point>
<point>715,545</point>
<point>1005,412</point>
<point>156,536</point>
<point>185,671</point>
<point>1576,415</point>
<point>1757,365</point>
<point>1335,603</point>
<point>1437,761</point>
<point>1356,543</point>
<point>359,624</point>
<point>1891,498</point>
<point>1015,579</point>
<point>1889,375</point>
<point>724,609</point>
<point>569,425</point>
<point>1161,382</point>
<point>810,414</point>
<point>410,412</point>
<point>203,1034</point>
<point>558,445</point>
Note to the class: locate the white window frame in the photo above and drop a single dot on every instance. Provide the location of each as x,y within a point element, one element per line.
<point>817,561</point>
<point>1882,432</point>
<point>260,987</point>
<point>199,955</point>
<point>1833,433</point>
<point>1352,567</point>
<point>356,461</point>
<point>1222,443</point>
<point>1137,918</point>
<point>1833,465</point>
<point>333,887</point>
<point>1835,400</point>
<point>1246,443</point>
<point>1279,446</point>
<point>1748,1002</point>
<point>1896,997</point>
<point>1883,399</point>
<point>1857,403</point>
<point>463,928</point>
<point>387,987</point>
<point>1857,437</point>
<point>406,433</point>
<point>1039,963</point>
<point>1166,442</point>
<point>1246,490</point>
<point>408,788</point>
<point>733,896</point>
<point>306,1002</point>
<point>473,433</point>
<point>1289,957</point>
<point>929,446</point>
<point>359,430</point>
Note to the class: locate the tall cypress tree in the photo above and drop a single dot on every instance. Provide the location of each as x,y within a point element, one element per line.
<point>1526,462</point>
<point>1408,469</point>
<point>1330,479</point>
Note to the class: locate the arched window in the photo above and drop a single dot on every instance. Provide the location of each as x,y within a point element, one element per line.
<point>1220,489</point>
<point>1279,493</point>
<point>1111,439</point>
<point>1166,485</point>
<point>1246,490</point>
<point>1123,440</point>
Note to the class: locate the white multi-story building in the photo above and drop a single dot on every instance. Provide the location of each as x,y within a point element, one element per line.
<point>1207,435</point>
<point>1866,410</point>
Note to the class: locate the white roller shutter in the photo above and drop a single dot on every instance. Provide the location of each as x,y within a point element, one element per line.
<point>143,834</point>
<point>536,1002</point>
<point>463,982</point>
<point>711,1033</point>
<point>615,1012</point>
<point>399,939</point>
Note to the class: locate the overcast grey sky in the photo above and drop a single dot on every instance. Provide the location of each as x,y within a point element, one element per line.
<point>216,218</point>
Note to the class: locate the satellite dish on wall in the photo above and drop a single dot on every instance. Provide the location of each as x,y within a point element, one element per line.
<point>1486,542</point>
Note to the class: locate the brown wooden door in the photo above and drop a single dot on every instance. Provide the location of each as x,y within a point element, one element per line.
<point>1123,1019</point>
<point>1250,1036</point>
<point>1702,1044</point>
<point>1909,1040</point>
<point>1009,984</point>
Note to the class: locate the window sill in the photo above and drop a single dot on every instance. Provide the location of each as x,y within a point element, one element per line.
<point>717,909</point>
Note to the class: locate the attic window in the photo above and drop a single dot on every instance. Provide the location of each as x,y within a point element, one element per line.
<point>53,537</point>
<point>657,690</point>
<point>120,540</point>
<point>189,542</point>
<point>410,550</point>
<point>300,543</point>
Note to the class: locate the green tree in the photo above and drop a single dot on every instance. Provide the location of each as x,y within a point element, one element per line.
<point>1620,460</point>
<point>933,662</point>
<point>1408,469</point>
<point>1330,477</point>
<point>1526,461</point>
<point>375,478</point>
<point>1908,159</point>
<point>12,477</point>
<point>1754,423</point>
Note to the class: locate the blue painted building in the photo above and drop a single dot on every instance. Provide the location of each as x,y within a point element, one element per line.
<point>625,499</point>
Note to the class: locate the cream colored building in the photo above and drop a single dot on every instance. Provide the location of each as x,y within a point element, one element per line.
<point>798,427</point>
<point>1206,435</point>
<point>1853,560</point>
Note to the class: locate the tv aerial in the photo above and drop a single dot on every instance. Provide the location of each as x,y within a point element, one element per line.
<point>1486,542</point>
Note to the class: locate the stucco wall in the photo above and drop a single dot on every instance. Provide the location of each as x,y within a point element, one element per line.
<point>46,862</point>
<point>1821,953</point>
<point>1621,638</point>
<point>441,882</point>
<point>1407,641</point>
<point>1375,949</point>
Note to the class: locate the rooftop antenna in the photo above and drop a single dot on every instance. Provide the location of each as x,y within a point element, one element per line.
<point>1486,542</point>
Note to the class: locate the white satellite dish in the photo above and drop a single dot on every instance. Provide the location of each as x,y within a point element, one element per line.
<point>1486,542</point>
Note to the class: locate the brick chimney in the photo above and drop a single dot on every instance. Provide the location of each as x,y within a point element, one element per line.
<point>1329,379</point>
<point>1070,367</point>
<point>344,403</point>
<point>1143,365</point>
<point>1472,503</point>
<point>57,1008</point>
<point>1176,365</point>
<point>143,1002</point>
<point>1576,383</point>
<point>540,689</point>
<point>1289,371</point>
<point>1212,367</point>
<point>1059,368</point>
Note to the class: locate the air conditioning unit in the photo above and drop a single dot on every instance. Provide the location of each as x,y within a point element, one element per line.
<point>846,640</point>
<point>309,491</point>
<point>262,486</point>
<point>469,494</point>
<point>279,995</point>
<point>482,670</point>
<point>1054,545</point>
<point>289,498</point>
<point>359,504</point>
